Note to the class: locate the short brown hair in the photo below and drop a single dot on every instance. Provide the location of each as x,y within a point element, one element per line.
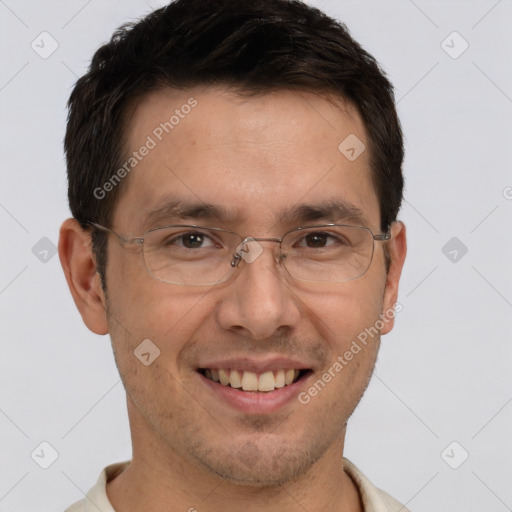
<point>250,46</point>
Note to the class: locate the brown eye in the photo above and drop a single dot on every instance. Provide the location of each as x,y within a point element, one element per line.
<point>189,240</point>
<point>192,240</point>
<point>316,240</point>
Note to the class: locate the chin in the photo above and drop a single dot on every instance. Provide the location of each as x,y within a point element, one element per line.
<point>260,465</point>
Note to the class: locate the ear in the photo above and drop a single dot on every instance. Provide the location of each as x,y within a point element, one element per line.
<point>397,248</point>
<point>79,265</point>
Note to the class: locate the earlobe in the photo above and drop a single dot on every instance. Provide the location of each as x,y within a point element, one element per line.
<point>78,262</point>
<point>397,248</point>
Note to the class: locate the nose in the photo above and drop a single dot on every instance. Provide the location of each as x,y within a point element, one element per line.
<point>258,302</point>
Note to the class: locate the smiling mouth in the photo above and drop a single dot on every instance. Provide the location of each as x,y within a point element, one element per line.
<point>245,380</point>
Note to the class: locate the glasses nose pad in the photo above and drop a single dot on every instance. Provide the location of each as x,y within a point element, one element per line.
<point>236,260</point>
<point>249,250</point>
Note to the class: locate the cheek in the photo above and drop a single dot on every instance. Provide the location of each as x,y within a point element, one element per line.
<point>149,330</point>
<point>141,304</point>
<point>340,314</point>
<point>141,308</point>
<point>347,324</point>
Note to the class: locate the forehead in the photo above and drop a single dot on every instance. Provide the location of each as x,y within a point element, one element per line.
<point>253,157</point>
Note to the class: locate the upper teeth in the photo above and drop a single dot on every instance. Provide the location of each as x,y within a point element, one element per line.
<point>251,381</point>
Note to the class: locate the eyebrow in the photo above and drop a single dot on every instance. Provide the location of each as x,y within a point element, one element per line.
<point>332,210</point>
<point>176,210</point>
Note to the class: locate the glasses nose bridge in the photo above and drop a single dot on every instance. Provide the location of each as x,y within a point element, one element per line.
<point>267,239</point>
<point>242,249</point>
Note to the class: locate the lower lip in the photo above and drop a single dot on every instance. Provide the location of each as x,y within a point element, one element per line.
<point>256,402</point>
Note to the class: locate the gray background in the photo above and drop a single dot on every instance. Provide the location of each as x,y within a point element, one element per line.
<point>443,374</point>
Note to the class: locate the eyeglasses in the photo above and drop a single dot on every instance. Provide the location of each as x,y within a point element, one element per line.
<point>193,255</point>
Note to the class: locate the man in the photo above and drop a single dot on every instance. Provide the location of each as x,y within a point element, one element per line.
<point>234,177</point>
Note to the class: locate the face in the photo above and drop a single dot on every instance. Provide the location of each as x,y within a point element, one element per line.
<point>254,159</point>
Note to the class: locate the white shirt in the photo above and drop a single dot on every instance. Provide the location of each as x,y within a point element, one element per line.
<point>373,498</point>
